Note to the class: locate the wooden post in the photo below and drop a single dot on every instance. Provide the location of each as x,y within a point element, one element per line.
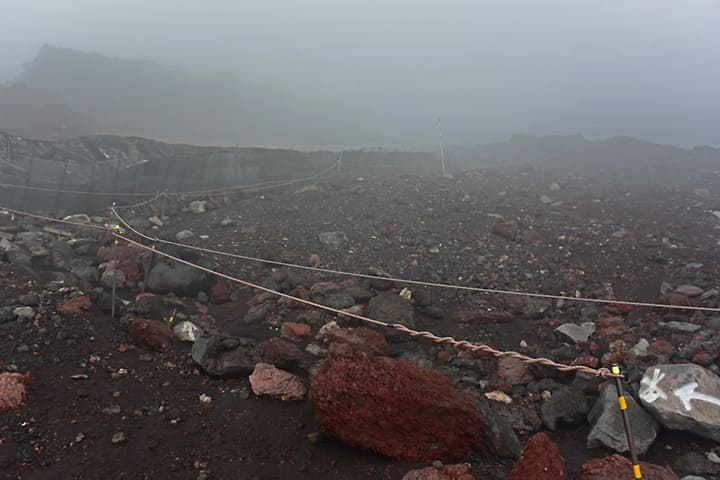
<point>28,177</point>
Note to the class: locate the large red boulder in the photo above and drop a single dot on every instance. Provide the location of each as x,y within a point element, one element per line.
<point>394,408</point>
<point>617,467</point>
<point>540,460</point>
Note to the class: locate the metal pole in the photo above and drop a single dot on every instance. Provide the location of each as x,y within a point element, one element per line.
<point>114,276</point>
<point>442,148</point>
<point>626,423</point>
<point>115,266</point>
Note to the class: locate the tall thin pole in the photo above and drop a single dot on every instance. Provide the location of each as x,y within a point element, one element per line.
<point>442,148</point>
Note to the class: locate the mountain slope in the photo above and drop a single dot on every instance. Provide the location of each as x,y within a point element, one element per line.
<point>135,97</point>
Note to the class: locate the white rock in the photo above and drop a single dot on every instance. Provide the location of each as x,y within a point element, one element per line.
<point>24,313</point>
<point>198,206</point>
<point>78,218</point>
<point>640,348</point>
<point>156,221</point>
<point>184,235</point>
<point>186,331</point>
<point>545,199</point>
<point>575,333</point>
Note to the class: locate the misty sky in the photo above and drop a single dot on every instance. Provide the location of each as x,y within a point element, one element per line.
<point>647,68</point>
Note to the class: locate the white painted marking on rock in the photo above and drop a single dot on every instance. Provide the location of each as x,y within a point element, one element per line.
<point>687,393</point>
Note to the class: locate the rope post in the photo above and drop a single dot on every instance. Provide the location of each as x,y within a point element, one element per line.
<point>115,266</point>
<point>162,208</point>
<point>147,269</point>
<point>615,369</point>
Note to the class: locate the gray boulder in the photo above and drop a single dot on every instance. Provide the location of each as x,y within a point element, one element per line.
<point>607,424</point>
<point>567,405</point>
<point>683,397</point>
<point>221,356</point>
<point>392,308</point>
<point>176,277</point>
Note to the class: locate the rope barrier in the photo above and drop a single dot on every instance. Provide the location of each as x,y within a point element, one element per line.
<point>413,282</point>
<point>476,347</point>
<point>223,190</point>
<point>605,373</point>
<point>56,220</point>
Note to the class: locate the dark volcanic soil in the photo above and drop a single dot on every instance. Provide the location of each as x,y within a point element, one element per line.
<point>591,236</point>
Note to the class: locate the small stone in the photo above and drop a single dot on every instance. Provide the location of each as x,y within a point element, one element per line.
<point>575,333</point>
<point>295,331</point>
<point>689,290</point>
<point>186,331</point>
<point>269,380</point>
<point>498,396</point>
<point>641,348</point>
<point>24,313</point>
<point>681,326</point>
<point>184,235</point>
<point>156,221</point>
<point>333,239</point>
<point>78,218</point>
<point>119,438</point>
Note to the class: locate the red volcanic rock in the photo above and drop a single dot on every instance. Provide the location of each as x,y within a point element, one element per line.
<point>514,371</point>
<point>394,408</point>
<point>74,306</point>
<point>270,381</point>
<point>12,390</point>
<point>295,331</point>
<point>540,460</point>
<point>220,293</point>
<point>359,339</point>
<point>150,333</point>
<point>618,467</point>
<point>446,472</point>
<point>279,352</point>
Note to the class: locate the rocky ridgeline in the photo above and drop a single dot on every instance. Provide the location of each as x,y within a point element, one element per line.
<point>378,389</point>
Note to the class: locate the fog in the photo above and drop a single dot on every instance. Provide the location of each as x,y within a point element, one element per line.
<point>646,68</point>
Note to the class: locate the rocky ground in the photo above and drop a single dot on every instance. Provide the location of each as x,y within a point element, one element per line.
<point>202,378</point>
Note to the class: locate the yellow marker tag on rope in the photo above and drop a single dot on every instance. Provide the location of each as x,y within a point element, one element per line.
<point>615,369</point>
<point>117,242</point>
<point>622,402</point>
<point>636,471</point>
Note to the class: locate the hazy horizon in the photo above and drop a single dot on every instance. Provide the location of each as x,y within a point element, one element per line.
<point>489,70</point>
